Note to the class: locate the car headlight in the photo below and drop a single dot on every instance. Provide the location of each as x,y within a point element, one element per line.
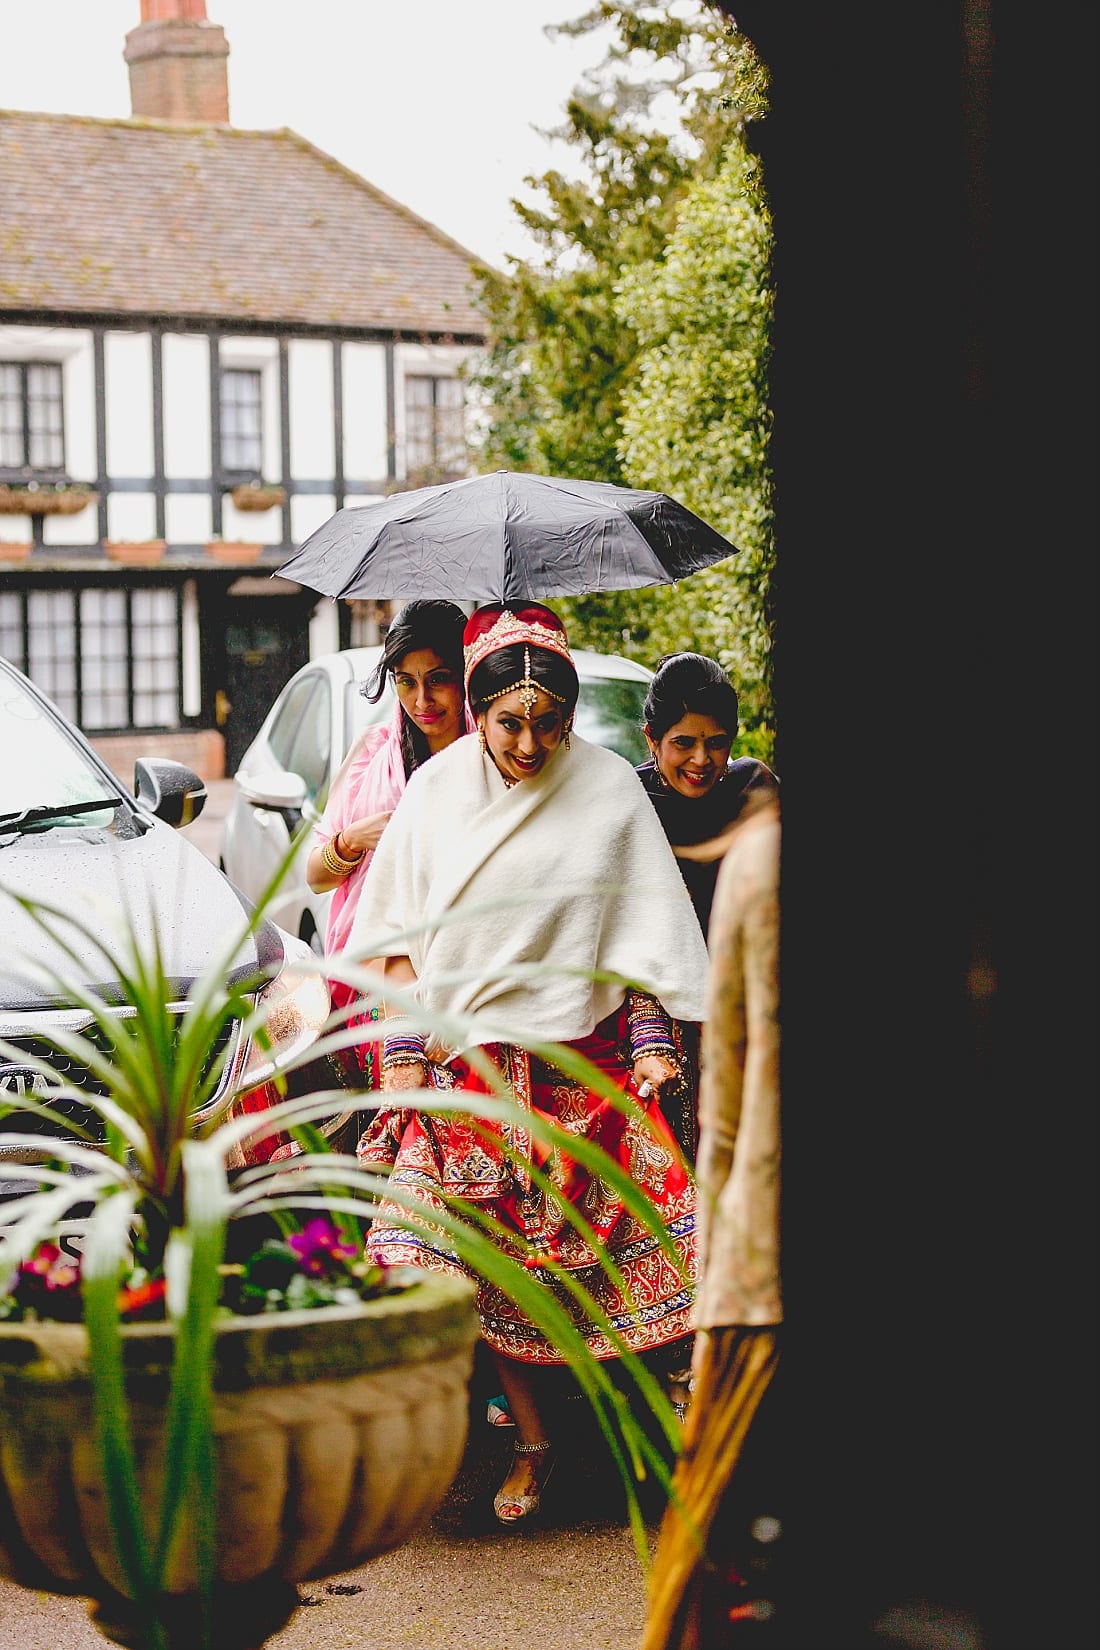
<point>296,1005</point>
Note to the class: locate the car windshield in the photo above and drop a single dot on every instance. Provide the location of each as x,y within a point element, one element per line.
<point>42,769</point>
<point>610,711</point>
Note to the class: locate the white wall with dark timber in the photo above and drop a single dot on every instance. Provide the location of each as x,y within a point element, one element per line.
<point>257,355</point>
<point>312,439</point>
<point>128,389</point>
<point>185,372</point>
<point>75,350</point>
<point>339,428</point>
<point>364,433</point>
<point>71,348</point>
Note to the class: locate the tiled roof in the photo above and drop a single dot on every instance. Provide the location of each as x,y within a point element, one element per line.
<point>212,222</point>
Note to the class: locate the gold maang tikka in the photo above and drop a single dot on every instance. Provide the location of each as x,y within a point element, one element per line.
<point>528,688</point>
<point>528,693</point>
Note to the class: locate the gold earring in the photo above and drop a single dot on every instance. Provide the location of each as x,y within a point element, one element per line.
<point>567,731</point>
<point>481,736</point>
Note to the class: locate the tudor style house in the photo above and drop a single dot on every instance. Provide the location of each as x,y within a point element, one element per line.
<point>210,340</point>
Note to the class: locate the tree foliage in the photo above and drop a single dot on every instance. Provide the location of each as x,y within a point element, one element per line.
<point>695,419</point>
<point>558,354</point>
<point>633,347</point>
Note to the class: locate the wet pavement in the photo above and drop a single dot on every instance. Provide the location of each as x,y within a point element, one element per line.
<point>571,1581</point>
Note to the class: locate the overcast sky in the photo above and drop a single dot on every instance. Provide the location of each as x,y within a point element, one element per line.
<point>434,101</point>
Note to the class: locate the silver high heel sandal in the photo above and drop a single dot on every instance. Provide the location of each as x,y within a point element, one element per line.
<point>681,1385</point>
<point>512,1509</point>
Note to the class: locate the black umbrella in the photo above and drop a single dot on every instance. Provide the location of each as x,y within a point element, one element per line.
<point>506,537</point>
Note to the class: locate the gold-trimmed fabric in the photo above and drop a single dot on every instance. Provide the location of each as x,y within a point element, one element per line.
<point>510,630</point>
<point>441,1157</point>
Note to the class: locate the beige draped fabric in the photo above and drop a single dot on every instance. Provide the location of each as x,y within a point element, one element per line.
<point>738,1159</point>
<point>738,1299</point>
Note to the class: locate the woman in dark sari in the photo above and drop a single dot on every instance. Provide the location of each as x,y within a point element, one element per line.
<point>691,721</point>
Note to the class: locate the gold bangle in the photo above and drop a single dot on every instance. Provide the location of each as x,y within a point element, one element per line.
<point>350,859</point>
<point>334,863</point>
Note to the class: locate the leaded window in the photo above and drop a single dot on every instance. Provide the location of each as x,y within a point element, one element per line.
<point>242,421</point>
<point>109,658</point>
<point>32,421</point>
<point>435,439</point>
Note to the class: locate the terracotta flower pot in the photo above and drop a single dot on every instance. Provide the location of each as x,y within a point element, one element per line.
<point>338,1431</point>
<point>234,550</point>
<point>135,552</point>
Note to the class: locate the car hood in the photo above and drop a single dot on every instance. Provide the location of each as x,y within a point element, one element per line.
<point>122,888</point>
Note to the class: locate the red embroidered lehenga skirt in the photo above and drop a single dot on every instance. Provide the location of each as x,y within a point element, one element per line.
<point>441,1157</point>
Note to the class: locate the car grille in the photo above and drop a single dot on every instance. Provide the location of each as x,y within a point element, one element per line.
<point>72,1075</point>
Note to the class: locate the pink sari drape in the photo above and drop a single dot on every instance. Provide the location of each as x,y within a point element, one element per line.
<point>371,781</point>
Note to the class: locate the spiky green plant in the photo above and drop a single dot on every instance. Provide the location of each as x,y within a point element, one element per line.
<point>159,1190</point>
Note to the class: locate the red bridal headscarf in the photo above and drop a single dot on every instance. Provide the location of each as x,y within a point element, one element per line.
<point>503,624</point>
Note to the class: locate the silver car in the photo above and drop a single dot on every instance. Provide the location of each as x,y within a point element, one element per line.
<point>72,836</point>
<point>284,776</point>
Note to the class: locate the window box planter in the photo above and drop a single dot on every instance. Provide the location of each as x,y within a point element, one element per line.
<point>256,495</point>
<point>234,551</point>
<point>45,501</point>
<point>135,552</point>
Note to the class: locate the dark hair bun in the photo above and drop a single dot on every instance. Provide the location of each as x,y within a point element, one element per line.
<point>689,684</point>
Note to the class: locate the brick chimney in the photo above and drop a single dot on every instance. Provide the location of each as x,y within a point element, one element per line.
<point>178,67</point>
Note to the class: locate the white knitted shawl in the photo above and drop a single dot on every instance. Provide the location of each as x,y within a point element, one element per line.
<point>570,868</point>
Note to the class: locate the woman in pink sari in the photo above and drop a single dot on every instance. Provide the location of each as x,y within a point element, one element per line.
<point>423,656</point>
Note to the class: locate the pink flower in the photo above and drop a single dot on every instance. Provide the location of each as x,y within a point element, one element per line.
<point>49,1268</point>
<point>319,1248</point>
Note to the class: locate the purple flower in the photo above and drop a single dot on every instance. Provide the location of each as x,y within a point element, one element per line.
<point>319,1248</point>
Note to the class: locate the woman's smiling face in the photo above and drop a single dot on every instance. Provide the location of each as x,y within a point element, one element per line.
<point>692,755</point>
<point>521,742</point>
<point>431,696</point>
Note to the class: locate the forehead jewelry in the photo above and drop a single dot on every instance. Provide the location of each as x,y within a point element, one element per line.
<point>528,693</point>
<point>529,689</point>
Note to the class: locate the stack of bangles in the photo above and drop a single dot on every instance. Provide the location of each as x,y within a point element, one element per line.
<point>336,863</point>
<point>649,1029</point>
<point>401,1046</point>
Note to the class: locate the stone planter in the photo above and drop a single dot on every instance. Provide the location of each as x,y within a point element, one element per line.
<point>45,501</point>
<point>236,552</point>
<point>135,552</point>
<point>338,1432</point>
<point>254,495</point>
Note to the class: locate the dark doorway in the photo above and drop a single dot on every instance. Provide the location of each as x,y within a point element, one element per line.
<point>266,641</point>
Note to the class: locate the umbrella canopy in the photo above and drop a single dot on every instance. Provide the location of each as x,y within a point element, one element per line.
<point>506,536</point>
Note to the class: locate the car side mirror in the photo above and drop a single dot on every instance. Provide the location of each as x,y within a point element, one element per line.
<point>168,790</point>
<point>286,792</point>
